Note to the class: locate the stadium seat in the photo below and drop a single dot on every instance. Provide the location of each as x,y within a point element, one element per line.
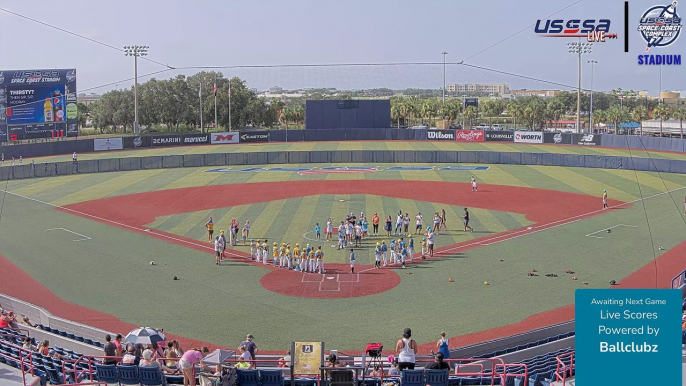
<point>106,373</point>
<point>271,377</point>
<point>151,376</point>
<point>128,375</point>
<point>412,378</point>
<point>437,377</point>
<point>54,376</point>
<point>247,377</point>
<point>88,341</point>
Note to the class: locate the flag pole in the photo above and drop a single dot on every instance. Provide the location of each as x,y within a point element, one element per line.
<point>229,104</point>
<point>202,128</point>
<point>215,104</point>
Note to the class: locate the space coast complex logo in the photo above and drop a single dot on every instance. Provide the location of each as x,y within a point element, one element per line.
<point>660,26</point>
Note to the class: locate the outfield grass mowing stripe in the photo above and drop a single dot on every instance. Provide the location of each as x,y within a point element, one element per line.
<point>625,182</point>
<point>32,187</point>
<point>491,222</point>
<point>269,226</point>
<point>592,186</point>
<point>561,177</point>
<point>193,178</point>
<point>494,175</point>
<point>106,187</point>
<point>192,225</point>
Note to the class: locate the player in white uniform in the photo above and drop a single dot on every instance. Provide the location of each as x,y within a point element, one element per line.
<point>474,188</point>
<point>265,251</point>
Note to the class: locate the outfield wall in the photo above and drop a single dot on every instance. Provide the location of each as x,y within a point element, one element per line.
<point>79,146</point>
<point>341,157</point>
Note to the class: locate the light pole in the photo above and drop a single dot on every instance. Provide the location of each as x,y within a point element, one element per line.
<point>444,54</point>
<point>592,62</point>
<point>579,48</point>
<point>135,51</point>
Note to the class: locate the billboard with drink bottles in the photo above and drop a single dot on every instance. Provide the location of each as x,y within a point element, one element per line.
<point>38,103</point>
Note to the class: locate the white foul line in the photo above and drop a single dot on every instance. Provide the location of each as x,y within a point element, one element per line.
<point>123,225</point>
<point>543,227</point>
<point>546,226</point>
<point>607,229</point>
<point>67,230</point>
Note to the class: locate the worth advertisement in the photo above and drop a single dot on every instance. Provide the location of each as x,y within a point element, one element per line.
<point>38,103</point>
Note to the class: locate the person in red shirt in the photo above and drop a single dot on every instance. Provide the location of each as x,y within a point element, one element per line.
<point>375,223</point>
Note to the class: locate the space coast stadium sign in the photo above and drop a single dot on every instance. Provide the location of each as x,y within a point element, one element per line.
<point>660,27</point>
<point>344,169</point>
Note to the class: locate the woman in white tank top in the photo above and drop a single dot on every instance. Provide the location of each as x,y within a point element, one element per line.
<point>406,349</point>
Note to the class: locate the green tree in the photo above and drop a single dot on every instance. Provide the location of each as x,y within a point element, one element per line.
<point>535,112</point>
<point>662,112</point>
<point>470,113</point>
<point>555,109</point>
<point>616,115</point>
<point>639,114</point>
<point>492,108</point>
<point>680,114</point>
<point>396,110</point>
<point>82,113</point>
<point>515,109</point>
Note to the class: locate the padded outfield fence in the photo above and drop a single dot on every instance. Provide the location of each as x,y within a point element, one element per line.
<point>340,157</point>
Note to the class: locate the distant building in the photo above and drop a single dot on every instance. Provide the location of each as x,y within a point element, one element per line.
<point>88,99</point>
<point>491,88</point>
<point>530,93</point>
<point>672,98</point>
<point>275,90</point>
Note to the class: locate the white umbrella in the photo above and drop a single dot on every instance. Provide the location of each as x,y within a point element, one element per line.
<point>144,335</point>
<point>218,356</point>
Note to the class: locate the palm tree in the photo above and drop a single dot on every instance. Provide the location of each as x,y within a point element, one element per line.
<point>599,116</point>
<point>617,115</point>
<point>470,113</point>
<point>534,111</point>
<point>680,114</point>
<point>429,109</point>
<point>515,109</point>
<point>492,108</point>
<point>662,112</point>
<point>555,109</point>
<point>396,111</point>
<point>639,114</point>
<point>453,108</point>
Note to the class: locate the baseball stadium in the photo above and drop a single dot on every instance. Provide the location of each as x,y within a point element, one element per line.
<point>191,228</point>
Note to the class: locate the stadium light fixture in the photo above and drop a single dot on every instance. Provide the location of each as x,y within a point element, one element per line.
<point>579,48</point>
<point>135,51</point>
<point>591,62</point>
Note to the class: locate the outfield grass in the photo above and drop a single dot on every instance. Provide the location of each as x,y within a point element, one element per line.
<point>111,273</point>
<point>363,145</point>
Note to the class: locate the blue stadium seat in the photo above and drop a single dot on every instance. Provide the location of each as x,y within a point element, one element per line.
<point>106,373</point>
<point>412,378</point>
<point>271,377</point>
<point>151,376</point>
<point>88,341</point>
<point>437,377</point>
<point>128,375</point>
<point>247,377</point>
<point>54,376</point>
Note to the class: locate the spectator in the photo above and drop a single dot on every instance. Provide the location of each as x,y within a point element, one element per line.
<point>244,354</point>
<point>173,351</point>
<point>377,372</point>
<point>8,320</point>
<point>148,361</point>
<point>406,348</point>
<point>117,344</point>
<point>189,359</point>
<point>44,348</point>
<point>442,346</point>
<point>250,346</point>
<point>157,350</point>
<point>110,350</point>
<point>439,364</point>
<point>131,358</point>
<point>287,358</point>
<point>27,344</point>
<point>25,321</point>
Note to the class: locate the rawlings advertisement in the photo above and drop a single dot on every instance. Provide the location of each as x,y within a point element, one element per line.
<point>469,135</point>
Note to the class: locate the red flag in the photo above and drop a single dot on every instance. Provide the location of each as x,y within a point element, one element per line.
<point>215,89</point>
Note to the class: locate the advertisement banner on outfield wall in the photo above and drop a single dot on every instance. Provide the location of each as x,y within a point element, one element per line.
<point>499,136</point>
<point>469,135</point>
<point>222,138</point>
<point>557,138</point>
<point>108,144</point>
<point>440,135</point>
<point>528,136</point>
<point>167,140</point>
<point>136,142</point>
<point>255,136</point>
<point>586,139</point>
<point>195,139</point>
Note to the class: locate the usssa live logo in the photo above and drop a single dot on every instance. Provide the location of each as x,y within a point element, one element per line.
<point>660,26</point>
<point>591,29</point>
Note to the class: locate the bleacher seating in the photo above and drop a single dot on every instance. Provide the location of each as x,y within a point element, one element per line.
<point>523,347</point>
<point>71,336</point>
<point>540,368</point>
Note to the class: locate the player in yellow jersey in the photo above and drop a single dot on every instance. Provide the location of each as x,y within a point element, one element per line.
<point>303,261</point>
<point>275,252</point>
<point>312,261</point>
<point>604,199</point>
<point>210,229</point>
<point>296,250</point>
<point>265,251</point>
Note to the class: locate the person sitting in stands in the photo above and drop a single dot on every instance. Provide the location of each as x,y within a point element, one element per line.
<point>393,371</point>
<point>44,348</point>
<point>27,344</point>
<point>130,358</point>
<point>377,372</point>
<point>149,361</point>
<point>439,364</point>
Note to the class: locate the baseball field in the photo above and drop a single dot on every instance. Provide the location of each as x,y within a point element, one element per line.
<point>81,245</point>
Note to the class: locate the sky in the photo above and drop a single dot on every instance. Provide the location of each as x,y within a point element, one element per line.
<point>271,33</point>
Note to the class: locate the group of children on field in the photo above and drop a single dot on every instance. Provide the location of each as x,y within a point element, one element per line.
<point>306,259</point>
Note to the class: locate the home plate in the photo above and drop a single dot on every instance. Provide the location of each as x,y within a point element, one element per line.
<point>528,228</point>
<point>146,230</point>
<point>341,200</point>
<point>330,278</point>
